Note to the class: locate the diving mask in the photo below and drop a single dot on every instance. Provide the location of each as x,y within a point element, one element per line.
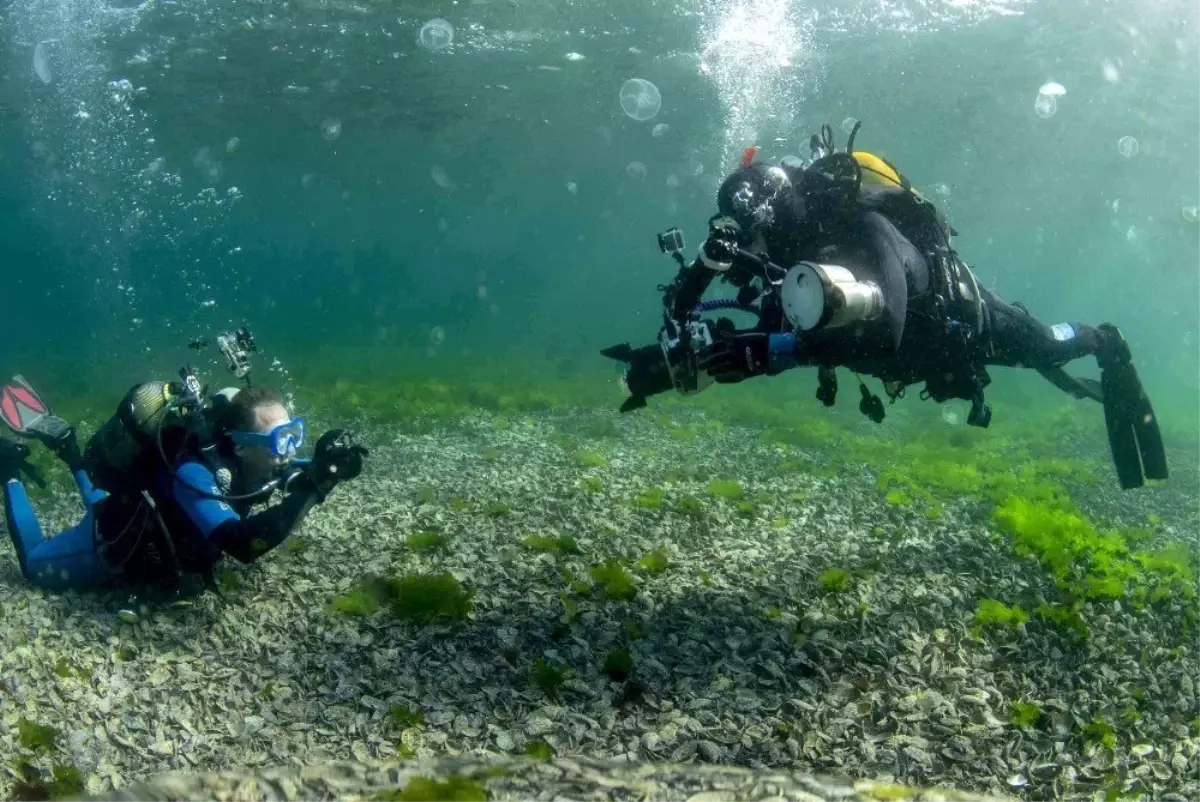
<point>282,441</point>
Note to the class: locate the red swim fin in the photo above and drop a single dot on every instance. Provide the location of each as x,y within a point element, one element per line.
<point>20,405</point>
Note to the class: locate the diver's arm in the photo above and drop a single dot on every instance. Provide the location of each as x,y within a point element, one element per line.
<point>756,353</point>
<point>717,255</point>
<point>247,540</point>
<point>689,287</point>
<point>243,539</point>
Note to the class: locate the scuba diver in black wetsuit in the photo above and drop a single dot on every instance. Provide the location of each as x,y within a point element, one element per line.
<point>870,282</point>
<point>168,482</point>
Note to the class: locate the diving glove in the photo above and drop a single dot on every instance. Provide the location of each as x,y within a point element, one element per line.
<point>748,354</point>
<point>14,461</point>
<point>336,458</point>
<point>718,251</point>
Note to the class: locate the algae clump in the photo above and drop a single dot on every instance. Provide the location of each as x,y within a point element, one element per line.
<point>613,580</point>
<point>655,562</point>
<point>423,789</point>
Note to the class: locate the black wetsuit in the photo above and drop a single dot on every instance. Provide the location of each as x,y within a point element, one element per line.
<point>939,326</point>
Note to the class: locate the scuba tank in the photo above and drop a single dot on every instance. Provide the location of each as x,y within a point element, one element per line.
<point>124,452</point>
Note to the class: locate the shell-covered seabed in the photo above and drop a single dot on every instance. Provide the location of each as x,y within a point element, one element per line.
<point>779,620</point>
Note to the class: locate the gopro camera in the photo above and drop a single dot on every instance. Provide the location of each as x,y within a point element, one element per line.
<point>237,346</point>
<point>671,241</point>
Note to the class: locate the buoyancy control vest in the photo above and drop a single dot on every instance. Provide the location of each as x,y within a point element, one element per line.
<point>945,321</point>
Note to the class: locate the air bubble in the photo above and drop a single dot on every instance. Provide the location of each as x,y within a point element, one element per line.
<point>640,99</point>
<point>1110,71</point>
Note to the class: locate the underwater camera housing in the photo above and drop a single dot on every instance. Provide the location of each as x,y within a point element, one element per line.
<point>671,241</point>
<point>236,347</point>
<point>667,364</point>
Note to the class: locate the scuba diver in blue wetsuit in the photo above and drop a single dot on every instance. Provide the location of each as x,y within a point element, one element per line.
<point>168,482</point>
<point>846,265</point>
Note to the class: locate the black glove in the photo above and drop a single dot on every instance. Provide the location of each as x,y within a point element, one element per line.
<point>14,461</point>
<point>718,251</point>
<point>735,358</point>
<point>336,458</point>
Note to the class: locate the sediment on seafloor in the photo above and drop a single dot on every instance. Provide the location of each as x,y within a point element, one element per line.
<point>788,622</point>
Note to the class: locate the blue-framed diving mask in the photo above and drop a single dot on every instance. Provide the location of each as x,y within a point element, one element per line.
<point>282,441</point>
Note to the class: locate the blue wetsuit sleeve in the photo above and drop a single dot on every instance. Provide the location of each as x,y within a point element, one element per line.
<point>207,514</point>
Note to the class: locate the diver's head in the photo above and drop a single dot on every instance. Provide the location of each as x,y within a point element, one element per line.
<point>761,199</point>
<point>263,434</point>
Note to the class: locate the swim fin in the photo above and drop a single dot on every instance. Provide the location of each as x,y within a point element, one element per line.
<point>1133,433</point>
<point>24,411</point>
<point>20,406</point>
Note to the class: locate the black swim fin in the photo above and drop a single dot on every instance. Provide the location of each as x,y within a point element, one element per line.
<point>1133,433</point>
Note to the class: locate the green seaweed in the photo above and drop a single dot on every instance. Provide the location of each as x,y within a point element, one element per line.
<point>497,509</point>
<point>692,507</point>
<point>228,581</point>
<point>402,718</point>
<point>539,749</point>
<point>613,580</point>
<point>423,789</point>
<point>655,562</point>
<point>427,541</point>
<point>991,613</point>
<point>1023,714</point>
<point>618,665</point>
<point>423,599</point>
<point>358,602</point>
<point>65,782</point>
<point>1098,731</point>
<point>1088,564</point>
<point>34,736</point>
<point>591,484</point>
<point>834,580</point>
<point>726,489</point>
<point>549,677</point>
<point>650,499</point>
<point>1066,618</point>
<point>588,459</point>
<point>562,544</point>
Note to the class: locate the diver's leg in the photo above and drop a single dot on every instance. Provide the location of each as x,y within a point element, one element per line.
<point>1019,340</point>
<point>67,560</point>
<point>23,526</point>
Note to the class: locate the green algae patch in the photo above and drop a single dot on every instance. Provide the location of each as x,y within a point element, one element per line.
<point>423,789</point>
<point>1090,564</point>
